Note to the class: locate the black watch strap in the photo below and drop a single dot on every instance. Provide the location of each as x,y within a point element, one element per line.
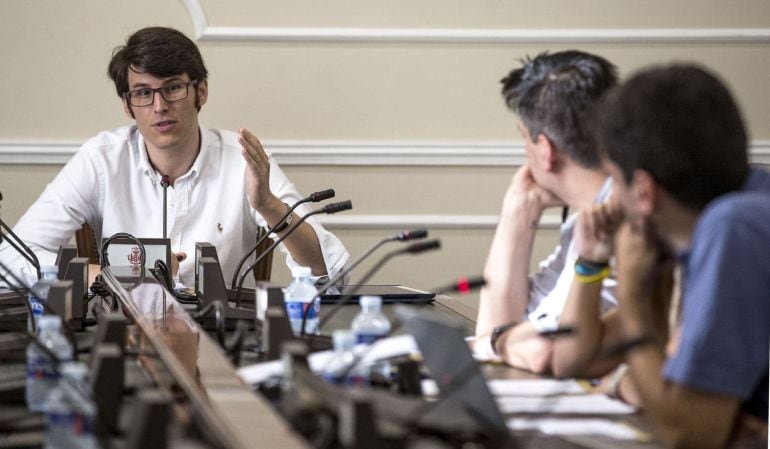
<point>281,227</point>
<point>498,332</point>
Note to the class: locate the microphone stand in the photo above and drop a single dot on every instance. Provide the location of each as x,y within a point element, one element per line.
<point>414,248</point>
<point>164,182</point>
<point>314,197</point>
<point>328,209</point>
<point>18,244</point>
<point>46,307</point>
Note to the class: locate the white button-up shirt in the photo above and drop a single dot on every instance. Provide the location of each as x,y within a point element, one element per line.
<point>111,185</point>
<point>549,286</point>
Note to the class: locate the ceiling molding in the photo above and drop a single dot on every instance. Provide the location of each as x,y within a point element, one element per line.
<point>341,153</point>
<point>205,32</point>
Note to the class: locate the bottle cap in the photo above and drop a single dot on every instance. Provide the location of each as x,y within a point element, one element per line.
<point>49,322</point>
<point>370,301</point>
<point>299,272</point>
<point>343,339</point>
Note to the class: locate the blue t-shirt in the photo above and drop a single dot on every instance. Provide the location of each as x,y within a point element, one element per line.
<point>725,341</point>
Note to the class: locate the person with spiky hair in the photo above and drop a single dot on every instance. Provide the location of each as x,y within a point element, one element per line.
<point>553,96</point>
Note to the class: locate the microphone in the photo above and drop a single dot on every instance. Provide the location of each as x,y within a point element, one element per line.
<point>25,299</point>
<point>164,182</point>
<point>414,248</point>
<point>463,285</point>
<point>403,236</point>
<point>314,197</point>
<point>18,244</point>
<point>332,208</point>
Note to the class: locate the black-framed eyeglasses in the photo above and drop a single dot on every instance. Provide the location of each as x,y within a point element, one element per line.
<point>170,92</point>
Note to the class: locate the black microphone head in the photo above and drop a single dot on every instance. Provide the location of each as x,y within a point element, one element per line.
<point>164,181</point>
<point>333,208</point>
<point>414,234</point>
<point>322,195</point>
<point>419,247</point>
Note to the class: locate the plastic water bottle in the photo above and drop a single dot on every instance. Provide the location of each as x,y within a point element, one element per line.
<point>70,415</point>
<point>342,359</point>
<point>42,372</point>
<point>299,296</point>
<point>370,324</point>
<point>342,369</point>
<point>48,275</point>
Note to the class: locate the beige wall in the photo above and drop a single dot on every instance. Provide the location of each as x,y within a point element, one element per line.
<point>437,89</point>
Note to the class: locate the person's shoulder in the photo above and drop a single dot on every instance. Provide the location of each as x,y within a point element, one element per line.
<point>741,209</point>
<point>109,141</point>
<point>758,180</point>
<point>225,142</point>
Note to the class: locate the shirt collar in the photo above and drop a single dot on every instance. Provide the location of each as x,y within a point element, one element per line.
<point>604,191</point>
<point>149,170</point>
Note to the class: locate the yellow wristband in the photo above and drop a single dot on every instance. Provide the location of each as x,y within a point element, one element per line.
<point>590,279</point>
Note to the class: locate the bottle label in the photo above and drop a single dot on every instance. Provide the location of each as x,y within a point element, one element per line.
<point>41,368</point>
<point>37,306</point>
<point>367,338</point>
<point>351,379</point>
<point>296,309</point>
<point>70,422</point>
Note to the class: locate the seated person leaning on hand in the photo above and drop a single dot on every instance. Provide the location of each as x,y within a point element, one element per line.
<point>676,147</point>
<point>224,186</point>
<point>552,94</point>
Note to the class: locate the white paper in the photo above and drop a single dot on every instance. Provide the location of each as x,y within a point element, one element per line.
<point>594,404</point>
<point>382,349</point>
<point>597,426</point>
<point>534,387</point>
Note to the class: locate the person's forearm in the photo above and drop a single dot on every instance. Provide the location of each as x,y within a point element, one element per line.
<point>506,294</point>
<point>573,353</point>
<point>302,243</point>
<point>685,418</point>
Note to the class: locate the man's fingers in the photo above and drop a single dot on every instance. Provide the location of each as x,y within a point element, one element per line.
<point>252,144</point>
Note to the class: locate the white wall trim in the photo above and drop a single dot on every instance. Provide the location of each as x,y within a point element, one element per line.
<point>474,36</point>
<point>340,153</point>
<point>362,222</point>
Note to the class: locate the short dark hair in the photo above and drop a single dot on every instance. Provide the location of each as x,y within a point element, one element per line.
<point>158,51</point>
<point>680,124</point>
<point>553,94</point>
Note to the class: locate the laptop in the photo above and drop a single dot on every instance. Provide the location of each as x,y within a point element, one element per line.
<point>448,358</point>
<point>390,294</point>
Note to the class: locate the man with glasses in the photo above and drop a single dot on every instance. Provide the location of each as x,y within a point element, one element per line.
<point>222,186</point>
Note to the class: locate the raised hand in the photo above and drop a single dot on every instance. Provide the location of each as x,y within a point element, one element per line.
<point>257,170</point>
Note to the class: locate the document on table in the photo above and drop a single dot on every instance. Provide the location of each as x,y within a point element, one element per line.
<point>594,426</point>
<point>381,349</point>
<point>535,387</point>
<point>582,404</point>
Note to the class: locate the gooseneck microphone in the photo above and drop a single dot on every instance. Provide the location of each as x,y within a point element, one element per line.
<point>25,299</point>
<point>462,285</point>
<point>18,244</point>
<point>414,248</point>
<point>332,208</point>
<point>165,182</point>
<point>314,197</point>
<point>403,236</point>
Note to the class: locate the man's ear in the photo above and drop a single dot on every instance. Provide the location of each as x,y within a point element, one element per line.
<point>127,109</point>
<point>645,192</point>
<point>546,153</point>
<point>203,92</point>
